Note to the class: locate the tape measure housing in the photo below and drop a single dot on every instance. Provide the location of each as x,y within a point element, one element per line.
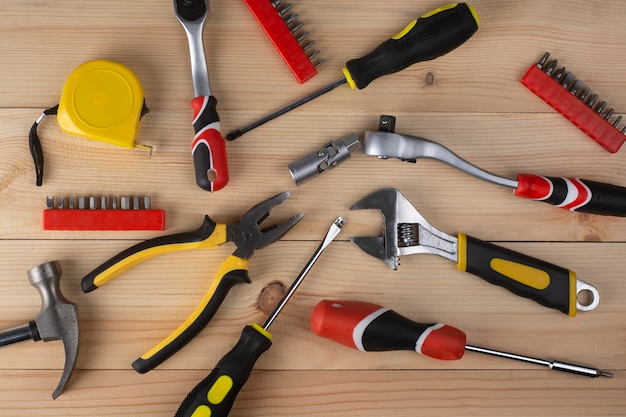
<point>102,100</point>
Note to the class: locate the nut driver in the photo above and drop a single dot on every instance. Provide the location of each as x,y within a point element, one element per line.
<point>406,232</point>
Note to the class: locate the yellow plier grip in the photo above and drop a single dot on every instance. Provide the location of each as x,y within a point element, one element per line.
<point>207,236</point>
<point>233,271</point>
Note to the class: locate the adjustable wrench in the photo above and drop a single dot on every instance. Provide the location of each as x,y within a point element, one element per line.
<point>208,146</point>
<point>406,232</point>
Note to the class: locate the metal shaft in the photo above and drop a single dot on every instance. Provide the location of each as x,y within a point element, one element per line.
<point>237,133</point>
<point>556,365</point>
<point>334,230</point>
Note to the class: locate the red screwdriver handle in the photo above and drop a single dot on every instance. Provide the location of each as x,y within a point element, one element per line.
<point>208,147</point>
<point>372,328</point>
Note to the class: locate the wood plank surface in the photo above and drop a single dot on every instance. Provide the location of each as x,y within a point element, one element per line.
<point>470,100</point>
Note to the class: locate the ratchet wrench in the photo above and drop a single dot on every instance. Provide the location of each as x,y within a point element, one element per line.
<point>208,146</point>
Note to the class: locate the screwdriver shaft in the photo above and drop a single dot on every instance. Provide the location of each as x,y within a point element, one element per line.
<point>556,365</point>
<point>239,132</point>
<point>334,230</point>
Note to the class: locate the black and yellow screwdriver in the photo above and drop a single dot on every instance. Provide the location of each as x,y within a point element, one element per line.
<point>214,396</point>
<point>433,35</point>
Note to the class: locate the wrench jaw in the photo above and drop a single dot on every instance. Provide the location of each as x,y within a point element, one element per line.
<point>405,231</point>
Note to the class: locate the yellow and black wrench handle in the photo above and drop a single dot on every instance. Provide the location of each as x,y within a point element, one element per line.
<point>209,235</point>
<point>549,285</point>
<point>233,271</point>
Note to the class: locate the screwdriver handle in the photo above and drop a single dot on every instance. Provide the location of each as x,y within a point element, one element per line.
<point>432,35</point>
<point>549,285</point>
<point>574,194</point>
<point>214,396</point>
<point>208,146</point>
<point>371,328</point>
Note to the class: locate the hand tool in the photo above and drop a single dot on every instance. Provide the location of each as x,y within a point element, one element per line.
<point>572,194</point>
<point>406,232</point>
<point>324,158</point>
<point>561,91</point>
<point>371,328</point>
<point>432,35</point>
<point>102,100</point>
<point>247,236</point>
<point>208,146</point>
<point>282,27</point>
<point>99,216</point>
<point>57,319</point>
<point>214,396</point>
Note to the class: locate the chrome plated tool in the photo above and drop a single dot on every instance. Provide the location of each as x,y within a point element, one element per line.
<point>208,147</point>
<point>406,232</point>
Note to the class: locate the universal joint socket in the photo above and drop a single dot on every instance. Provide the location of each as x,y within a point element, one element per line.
<point>326,157</point>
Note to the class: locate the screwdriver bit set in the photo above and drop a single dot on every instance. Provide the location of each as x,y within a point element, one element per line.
<point>102,213</point>
<point>284,29</point>
<point>570,97</point>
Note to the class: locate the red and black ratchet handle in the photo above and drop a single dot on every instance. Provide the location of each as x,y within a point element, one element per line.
<point>208,146</point>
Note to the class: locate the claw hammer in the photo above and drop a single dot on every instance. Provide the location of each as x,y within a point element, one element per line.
<point>57,319</point>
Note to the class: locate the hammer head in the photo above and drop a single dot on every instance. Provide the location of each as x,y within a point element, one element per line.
<point>58,317</point>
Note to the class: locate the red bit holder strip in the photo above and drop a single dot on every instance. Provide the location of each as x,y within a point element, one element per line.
<point>92,213</point>
<point>284,30</point>
<point>566,94</point>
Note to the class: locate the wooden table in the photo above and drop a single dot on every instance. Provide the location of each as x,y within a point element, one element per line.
<point>470,100</point>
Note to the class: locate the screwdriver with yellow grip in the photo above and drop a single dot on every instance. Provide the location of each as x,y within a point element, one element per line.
<point>214,396</point>
<point>433,35</point>
<point>247,237</point>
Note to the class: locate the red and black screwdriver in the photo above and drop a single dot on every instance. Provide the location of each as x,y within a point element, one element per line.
<point>371,328</point>
<point>433,35</point>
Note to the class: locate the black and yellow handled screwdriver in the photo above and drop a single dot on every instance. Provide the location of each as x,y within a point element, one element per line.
<point>433,35</point>
<point>371,328</point>
<point>214,396</point>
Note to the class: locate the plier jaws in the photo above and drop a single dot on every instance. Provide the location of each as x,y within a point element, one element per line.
<point>248,236</point>
<point>245,234</point>
<point>405,230</point>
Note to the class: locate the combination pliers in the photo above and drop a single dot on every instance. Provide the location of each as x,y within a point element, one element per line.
<point>247,236</point>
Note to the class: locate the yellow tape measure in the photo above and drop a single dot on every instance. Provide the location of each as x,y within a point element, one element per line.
<point>102,100</point>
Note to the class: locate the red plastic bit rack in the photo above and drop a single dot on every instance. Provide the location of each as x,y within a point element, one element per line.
<point>574,109</point>
<point>86,219</point>
<point>283,39</point>
<point>95,213</point>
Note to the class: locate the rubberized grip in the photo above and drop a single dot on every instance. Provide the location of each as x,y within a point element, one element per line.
<point>434,34</point>
<point>574,194</point>
<point>543,282</point>
<point>372,328</point>
<point>208,146</point>
<point>208,235</point>
<point>214,396</point>
<point>233,271</point>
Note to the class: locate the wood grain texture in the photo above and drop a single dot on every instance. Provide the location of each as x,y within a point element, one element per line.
<point>470,100</point>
